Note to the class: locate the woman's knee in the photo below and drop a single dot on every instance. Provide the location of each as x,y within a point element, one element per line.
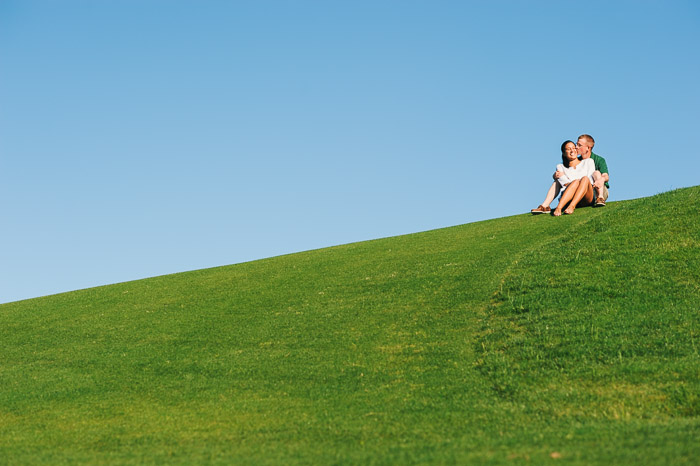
<point>584,184</point>
<point>587,198</point>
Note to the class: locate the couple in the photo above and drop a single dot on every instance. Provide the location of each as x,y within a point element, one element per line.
<point>582,179</point>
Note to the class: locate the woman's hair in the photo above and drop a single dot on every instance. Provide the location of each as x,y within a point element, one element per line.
<point>564,159</point>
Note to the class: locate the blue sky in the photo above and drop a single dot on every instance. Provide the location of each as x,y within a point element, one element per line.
<point>146,137</point>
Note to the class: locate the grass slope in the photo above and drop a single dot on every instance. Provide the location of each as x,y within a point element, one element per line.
<point>515,340</point>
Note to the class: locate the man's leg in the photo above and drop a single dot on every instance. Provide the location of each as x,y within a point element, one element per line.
<point>602,197</point>
<point>552,193</point>
<point>598,185</point>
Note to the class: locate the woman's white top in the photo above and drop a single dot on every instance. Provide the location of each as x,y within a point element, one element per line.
<point>585,168</point>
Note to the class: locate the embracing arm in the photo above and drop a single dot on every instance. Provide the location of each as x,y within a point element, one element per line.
<point>562,179</point>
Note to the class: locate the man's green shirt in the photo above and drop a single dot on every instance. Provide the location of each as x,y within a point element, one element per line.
<point>600,165</point>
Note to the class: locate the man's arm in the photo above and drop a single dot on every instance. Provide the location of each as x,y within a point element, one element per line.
<point>599,179</point>
<point>562,179</point>
<point>602,169</point>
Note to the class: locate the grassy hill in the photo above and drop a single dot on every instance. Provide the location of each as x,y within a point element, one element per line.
<point>511,341</point>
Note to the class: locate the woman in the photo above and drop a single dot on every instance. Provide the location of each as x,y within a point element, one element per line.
<point>575,183</point>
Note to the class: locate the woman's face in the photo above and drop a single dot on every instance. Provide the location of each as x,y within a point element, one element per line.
<point>570,151</point>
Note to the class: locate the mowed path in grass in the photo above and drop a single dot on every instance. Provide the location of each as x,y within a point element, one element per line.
<point>511,340</point>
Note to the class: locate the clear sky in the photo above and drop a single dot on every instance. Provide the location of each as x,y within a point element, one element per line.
<point>146,137</point>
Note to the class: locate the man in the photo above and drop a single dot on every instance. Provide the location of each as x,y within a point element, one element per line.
<point>600,175</point>
<point>584,145</point>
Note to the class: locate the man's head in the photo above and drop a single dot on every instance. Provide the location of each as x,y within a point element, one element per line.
<point>585,145</point>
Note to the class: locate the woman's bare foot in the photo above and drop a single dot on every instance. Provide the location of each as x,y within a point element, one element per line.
<point>569,210</point>
<point>557,212</point>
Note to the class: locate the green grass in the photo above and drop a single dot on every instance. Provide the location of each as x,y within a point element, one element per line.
<point>520,340</point>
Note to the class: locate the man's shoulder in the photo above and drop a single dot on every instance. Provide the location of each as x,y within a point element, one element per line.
<point>596,156</point>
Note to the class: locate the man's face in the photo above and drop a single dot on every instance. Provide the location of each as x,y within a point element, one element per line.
<point>584,149</point>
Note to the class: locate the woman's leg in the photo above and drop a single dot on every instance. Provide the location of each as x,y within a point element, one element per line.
<point>582,197</point>
<point>566,197</point>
